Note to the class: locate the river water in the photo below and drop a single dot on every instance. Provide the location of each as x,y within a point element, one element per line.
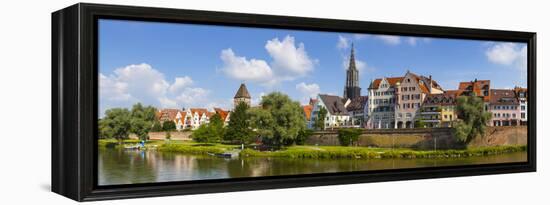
<point>119,166</point>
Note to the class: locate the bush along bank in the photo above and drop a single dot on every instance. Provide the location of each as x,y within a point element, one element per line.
<point>374,153</point>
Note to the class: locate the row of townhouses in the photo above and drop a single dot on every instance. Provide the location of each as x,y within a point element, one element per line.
<point>195,117</point>
<point>401,102</point>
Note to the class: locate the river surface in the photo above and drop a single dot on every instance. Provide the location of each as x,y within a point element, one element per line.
<point>119,166</point>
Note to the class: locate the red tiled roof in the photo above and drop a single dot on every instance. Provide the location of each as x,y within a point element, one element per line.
<point>223,114</point>
<point>307,111</point>
<point>503,97</point>
<point>476,86</point>
<point>392,81</point>
<point>168,114</point>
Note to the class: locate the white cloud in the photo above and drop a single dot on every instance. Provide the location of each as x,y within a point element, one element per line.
<point>388,39</point>
<point>142,83</point>
<point>240,68</point>
<point>343,42</point>
<point>308,91</point>
<point>193,96</point>
<point>289,61</point>
<point>361,66</point>
<point>180,83</point>
<point>508,54</point>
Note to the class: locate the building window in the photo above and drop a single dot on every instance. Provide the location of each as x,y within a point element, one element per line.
<point>522,115</point>
<point>523,107</point>
<point>513,115</point>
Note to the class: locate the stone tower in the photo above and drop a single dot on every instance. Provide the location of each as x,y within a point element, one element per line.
<point>242,95</point>
<point>352,89</point>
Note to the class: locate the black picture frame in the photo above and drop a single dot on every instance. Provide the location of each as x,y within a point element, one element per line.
<point>75,96</point>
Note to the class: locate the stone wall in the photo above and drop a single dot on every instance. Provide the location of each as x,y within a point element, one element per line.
<point>425,138</point>
<point>176,135</point>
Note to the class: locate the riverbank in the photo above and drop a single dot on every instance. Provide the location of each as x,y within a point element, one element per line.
<point>318,152</point>
<point>334,152</point>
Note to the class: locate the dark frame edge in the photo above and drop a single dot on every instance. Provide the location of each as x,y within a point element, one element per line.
<point>66,169</point>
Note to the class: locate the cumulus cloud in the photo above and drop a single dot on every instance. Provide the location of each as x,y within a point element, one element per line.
<point>142,83</point>
<point>289,59</point>
<point>240,68</point>
<point>361,66</point>
<point>508,54</point>
<point>180,83</point>
<point>388,39</point>
<point>308,91</point>
<point>343,42</point>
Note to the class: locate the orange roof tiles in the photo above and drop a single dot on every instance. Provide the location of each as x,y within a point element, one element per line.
<point>307,111</point>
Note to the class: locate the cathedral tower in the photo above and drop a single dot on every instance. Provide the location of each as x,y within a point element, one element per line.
<point>352,89</point>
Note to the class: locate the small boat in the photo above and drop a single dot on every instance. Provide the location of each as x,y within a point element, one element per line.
<point>225,154</point>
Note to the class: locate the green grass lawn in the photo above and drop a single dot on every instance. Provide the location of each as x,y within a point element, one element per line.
<point>315,152</point>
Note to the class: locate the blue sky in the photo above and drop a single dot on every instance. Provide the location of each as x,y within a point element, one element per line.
<point>184,65</point>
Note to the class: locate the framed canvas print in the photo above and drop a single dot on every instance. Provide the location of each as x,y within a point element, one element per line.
<point>156,102</point>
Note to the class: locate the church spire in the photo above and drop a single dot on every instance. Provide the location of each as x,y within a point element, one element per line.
<point>352,58</point>
<point>352,89</point>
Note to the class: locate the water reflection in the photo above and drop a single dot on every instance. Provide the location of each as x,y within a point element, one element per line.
<point>118,166</point>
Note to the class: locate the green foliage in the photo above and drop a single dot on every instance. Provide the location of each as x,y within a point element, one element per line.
<point>319,122</point>
<point>211,132</point>
<point>157,127</point>
<point>238,128</point>
<point>473,118</point>
<point>279,120</point>
<point>115,124</point>
<point>168,136</point>
<point>333,152</point>
<point>142,119</point>
<point>168,126</point>
<point>419,124</point>
<point>348,136</point>
<point>302,136</point>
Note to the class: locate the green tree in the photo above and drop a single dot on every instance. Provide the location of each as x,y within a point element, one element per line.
<point>238,128</point>
<point>319,122</point>
<point>348,136</point>
<point>169,126</point>
<point>473,118</point>
<point>211,132</point>
<point>168,136</point>
<point>302,136</point>
<point>157,127</point>
<point>279,120</point>
<point>419,124</point>
<point>115,124</point>
<point>142,119</point>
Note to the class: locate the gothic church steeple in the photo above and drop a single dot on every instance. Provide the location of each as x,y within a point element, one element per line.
<point>352,89</point>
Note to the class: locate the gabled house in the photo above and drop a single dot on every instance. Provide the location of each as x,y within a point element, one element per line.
<point>381,103</point>
<point>410,94</point>
<point>358,110</point>
<point>521,94</point>
<point>439,110</point>
<point>480,88</point>
<point>504,107</point>
<point>337,114</point>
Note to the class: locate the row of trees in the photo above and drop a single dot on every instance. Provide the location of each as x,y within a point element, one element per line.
<point>279,122</point>
<point>119,123</point>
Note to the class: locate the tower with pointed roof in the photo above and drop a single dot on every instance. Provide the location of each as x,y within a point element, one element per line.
<point>242,95</point>
<point>352,89</point>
